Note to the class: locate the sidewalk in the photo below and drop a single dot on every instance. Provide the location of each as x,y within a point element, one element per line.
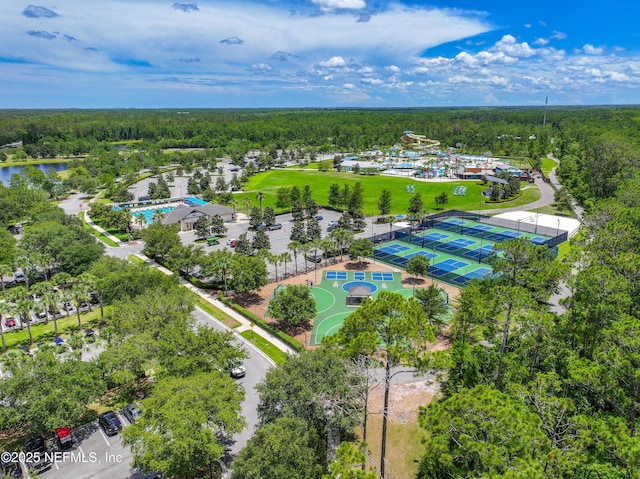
<point>245,324</point>
<point>85,215</point>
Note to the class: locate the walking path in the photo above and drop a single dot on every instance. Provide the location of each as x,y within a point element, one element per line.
<point>245,324</point>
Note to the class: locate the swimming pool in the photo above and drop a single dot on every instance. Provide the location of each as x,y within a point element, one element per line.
<point>148,214</point>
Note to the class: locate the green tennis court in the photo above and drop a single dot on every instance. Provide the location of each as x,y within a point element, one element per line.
<point>338,288</point>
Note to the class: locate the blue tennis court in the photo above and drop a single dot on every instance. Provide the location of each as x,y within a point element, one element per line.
<point>479,228</point>
<point>480,253</point>
<point>461,243</point>
<point>342,275</point>
<point>394,248</point>
<point>451,264</point>
<point>382,276</point>
<point>435,236</point>
<point>475,274</point>
<point>358,275</point>
<point>538,240</point>
<point>404,260</point>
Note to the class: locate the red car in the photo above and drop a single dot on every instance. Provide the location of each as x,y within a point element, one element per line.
<point>10,322</point>
<point>65,440</point>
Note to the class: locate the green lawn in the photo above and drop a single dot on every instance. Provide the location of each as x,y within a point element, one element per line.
<point>136,259</point>
<point>269,182</point>
<point>265,346</point>
<point>547,165</point>
<point>105,239</point>
<point>217,313</point>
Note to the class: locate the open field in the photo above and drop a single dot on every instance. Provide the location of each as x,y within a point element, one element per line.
<point>269,182</point>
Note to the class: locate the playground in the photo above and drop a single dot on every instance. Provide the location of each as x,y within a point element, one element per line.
<point>339,292</point>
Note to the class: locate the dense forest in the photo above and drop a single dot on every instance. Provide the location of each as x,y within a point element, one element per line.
<point>526,392</point>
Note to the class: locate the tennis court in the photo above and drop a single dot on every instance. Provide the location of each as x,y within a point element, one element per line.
<point>332,292</point>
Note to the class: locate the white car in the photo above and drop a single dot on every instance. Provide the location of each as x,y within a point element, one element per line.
<point>238,371</point>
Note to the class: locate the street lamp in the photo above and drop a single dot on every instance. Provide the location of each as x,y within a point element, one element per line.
<point>558,229</point>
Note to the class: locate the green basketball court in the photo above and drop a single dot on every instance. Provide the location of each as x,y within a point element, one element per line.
<point>334,289</point>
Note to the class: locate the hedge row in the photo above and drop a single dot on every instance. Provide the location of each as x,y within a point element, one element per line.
<point>288,340</point>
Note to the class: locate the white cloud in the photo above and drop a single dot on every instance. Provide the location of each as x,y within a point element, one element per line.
<point>349,86</point>
<point>558,35</point>
<point>328,5</point>
<point>393,68</point>
<point>541,41</point>
<point>591,50</point>
<point>333,62</point>
<point>508,45</point>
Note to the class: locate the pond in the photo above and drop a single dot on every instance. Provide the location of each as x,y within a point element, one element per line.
<point>7,171</point>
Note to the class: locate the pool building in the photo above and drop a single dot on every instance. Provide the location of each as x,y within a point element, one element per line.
<point>186,215</point>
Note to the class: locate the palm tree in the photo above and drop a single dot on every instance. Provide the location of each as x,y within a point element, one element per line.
<point>260,196</point>
<point>285,256</point>
<point>294,246</point>
<point>25,263</point>
<point>158,215</point>
<point>89,282</point>
<point>49,300</point>
<point>343,239</point>
<point>63,280</point>
<point>22,307</point>
<point>327,246</point>
<point>140,219</point>
<point>305,248</point>
<point>79,293</point>
<point>5,270</point>
<point>233,203</point>
<point>274,259</point>
<point>44,261</point>
<point>5,308</point>
<point>40,289</point>
<point>247,203</point>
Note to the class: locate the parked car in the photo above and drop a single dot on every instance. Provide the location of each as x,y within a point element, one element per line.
<point>64,437</point>
<point>10,322</point>
<point>132,412</point>
<point>316,258</point>
<point>275,226</point>
<point>319,217</point>
<point>109,423</point>
<point>10,469</point>
<point>212,241</point>
<point>332,222</point>
<point>40,462</point>
<point>331,228</point>
<point>19,277</point>
<point>89,333</point>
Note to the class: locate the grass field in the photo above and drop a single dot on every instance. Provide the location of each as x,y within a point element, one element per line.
<point>547,165</point>
<point>217,313</point>
<point>269,182</point>
<point>265,346</point>
<point>404,446</point>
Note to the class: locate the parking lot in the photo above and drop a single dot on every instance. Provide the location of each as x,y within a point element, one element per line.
<point>280,239</point>
<point>93,455</point>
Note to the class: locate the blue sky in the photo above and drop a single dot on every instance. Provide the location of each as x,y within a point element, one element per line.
<point>317,53</point>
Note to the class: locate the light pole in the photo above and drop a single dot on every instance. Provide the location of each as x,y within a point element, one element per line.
<point>558,228</point>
